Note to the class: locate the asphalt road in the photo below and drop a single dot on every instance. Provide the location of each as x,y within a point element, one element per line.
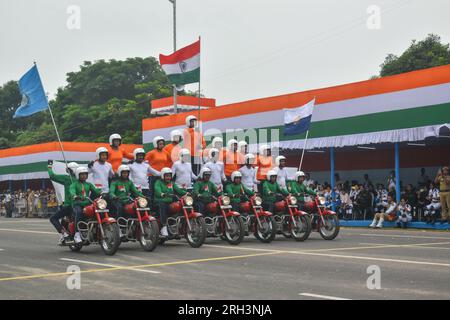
<point>412,265</point>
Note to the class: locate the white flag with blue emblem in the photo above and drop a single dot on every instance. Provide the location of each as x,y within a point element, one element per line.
<point>297,120</point>
<point>33,94</point>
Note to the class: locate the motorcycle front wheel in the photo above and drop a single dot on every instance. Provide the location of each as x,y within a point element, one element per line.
<point>235,234</point>
<point>267,231</point>
<point>149,240</point>
<point>111,242</point>
<point>330,229</point>
<point>197,235</point>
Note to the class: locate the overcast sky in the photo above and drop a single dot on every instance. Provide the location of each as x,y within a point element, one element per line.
<point>250,48</point>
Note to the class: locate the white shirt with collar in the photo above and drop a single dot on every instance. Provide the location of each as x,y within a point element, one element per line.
<point>217,172</point>
<point>183,174</point>
<point>139,174</point>
<point>100,174</point>
<point>249,177</point>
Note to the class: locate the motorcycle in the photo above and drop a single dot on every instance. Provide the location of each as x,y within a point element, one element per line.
<point>185,222</point>
<point>98,228</point>
<point>323,220</point>
<point>257,220</point>
<point>224,222</point>
<point>142,226</point>
<point>290,221</point>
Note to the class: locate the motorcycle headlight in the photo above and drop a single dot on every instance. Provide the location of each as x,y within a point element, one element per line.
<point>258,201</point>
<point>293,200</point>
<point>101,204</point>
<point>226,200</point>
<point>189,201</point>
<point>322,200</point>
<point>142,202</point>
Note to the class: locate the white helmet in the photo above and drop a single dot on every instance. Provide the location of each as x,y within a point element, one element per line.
<point>263,148</point>
<point>236,174</point>
<point>156,140</point>
<point>242,144</point>
<point>215,141</point>
<point>175,133</point>
<point>165,171</point>
<point>215,151</point>
<point>72,166</point>
<point>81,169</point>
<point>189,118</point>
<point>271,173</point>
<point>250,158</point>
<point>299,174</point>
<point>204,171</point>
<point>114,137</point>
<point>278,159</point>
<point>231,142</point>
<point>100,150</point>
<point>122,168</point>
<point>138,151</point>
<point>184,153</point>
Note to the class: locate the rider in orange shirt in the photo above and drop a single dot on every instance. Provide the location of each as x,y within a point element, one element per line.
<point>194,141</point>
<point>116,152</point>
<point>264,163</point>
<point>157,159</point>
<point>231,158</point>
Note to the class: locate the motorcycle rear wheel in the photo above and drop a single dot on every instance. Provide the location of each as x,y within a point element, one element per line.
<point>196,237</point>
<point>111,242</point>
<point>149,240</point>
<point>268,231</point>
<point>237,227</point>
<point>303,229</point>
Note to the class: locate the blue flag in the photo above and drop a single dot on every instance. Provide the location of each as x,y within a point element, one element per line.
<point>298,120</point>
<point>33,95</point>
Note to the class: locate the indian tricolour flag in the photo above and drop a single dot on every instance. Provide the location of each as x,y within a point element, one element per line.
<point>182,66</point>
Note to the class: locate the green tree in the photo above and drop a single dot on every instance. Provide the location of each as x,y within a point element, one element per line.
<point>420,55</point>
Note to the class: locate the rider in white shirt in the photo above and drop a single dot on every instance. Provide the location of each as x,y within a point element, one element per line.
<point>217,168</point>
<point>182,170</point>
<point>282,174</point>
<point>139,171</point>
<point>100,170</point>
<point>248,172</point>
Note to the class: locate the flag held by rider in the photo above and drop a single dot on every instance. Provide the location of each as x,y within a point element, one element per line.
<point>182,66</point>
<point>297,120</point>
<point>33,94</point>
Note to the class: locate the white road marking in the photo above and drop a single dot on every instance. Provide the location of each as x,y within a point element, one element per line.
<point>30,231</point>
<point>317,253</point>
<point>401,236</point>
<point>2,249</point>
<point>106,265</point>
<point>321,296</point>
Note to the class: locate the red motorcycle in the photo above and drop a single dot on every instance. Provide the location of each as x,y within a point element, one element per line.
<point>257,220</point>
<point>224,222</point>
<point>290,221</point>
<point>141,227</point>
<point>98,227</point>
<point>323,220</point>
<point>185,222</point>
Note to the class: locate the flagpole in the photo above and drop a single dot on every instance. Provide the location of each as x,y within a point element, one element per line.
<point>303,151</point>
<point>174,2</point>
<point>199,78</point>
<point>304,144</point>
